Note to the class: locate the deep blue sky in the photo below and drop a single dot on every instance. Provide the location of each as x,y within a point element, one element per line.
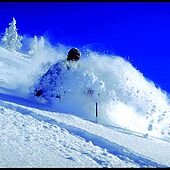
<point>139,31</point>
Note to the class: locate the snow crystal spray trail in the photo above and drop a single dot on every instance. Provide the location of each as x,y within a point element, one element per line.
<point>125,96</point>
<point>99,87</point>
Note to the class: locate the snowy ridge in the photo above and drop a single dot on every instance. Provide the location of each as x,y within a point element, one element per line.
<point>13,56</point>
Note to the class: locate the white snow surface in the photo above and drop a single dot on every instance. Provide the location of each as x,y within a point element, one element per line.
<point>132,128</point>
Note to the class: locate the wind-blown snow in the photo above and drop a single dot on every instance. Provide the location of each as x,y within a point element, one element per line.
<point>124,96</point>
<point>126,101</point>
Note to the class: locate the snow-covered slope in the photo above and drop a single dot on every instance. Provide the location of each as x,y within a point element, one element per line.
<point>10,65</point>
<point>34,134</point>
<point>32,137</point>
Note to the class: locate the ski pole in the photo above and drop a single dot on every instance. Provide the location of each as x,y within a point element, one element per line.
<point>96,110</point>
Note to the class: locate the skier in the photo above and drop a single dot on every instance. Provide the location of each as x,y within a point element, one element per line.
<point>49,79</point>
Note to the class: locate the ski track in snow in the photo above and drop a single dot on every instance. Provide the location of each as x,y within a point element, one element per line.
<point>120,151</point>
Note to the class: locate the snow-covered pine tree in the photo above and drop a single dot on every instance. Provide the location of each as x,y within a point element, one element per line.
<point>11,40</point>
<point>36,46</point>
<point>41,43</point>
<point>33,46</point>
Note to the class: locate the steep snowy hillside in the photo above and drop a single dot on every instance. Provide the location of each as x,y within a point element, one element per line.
<point>132,129</point>
<point>32,137</point>
<point>29,139</point>
<point>30,142</point>
<point>11,64</point>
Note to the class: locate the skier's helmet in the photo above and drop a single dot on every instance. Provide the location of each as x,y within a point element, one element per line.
<point>73,54</point>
